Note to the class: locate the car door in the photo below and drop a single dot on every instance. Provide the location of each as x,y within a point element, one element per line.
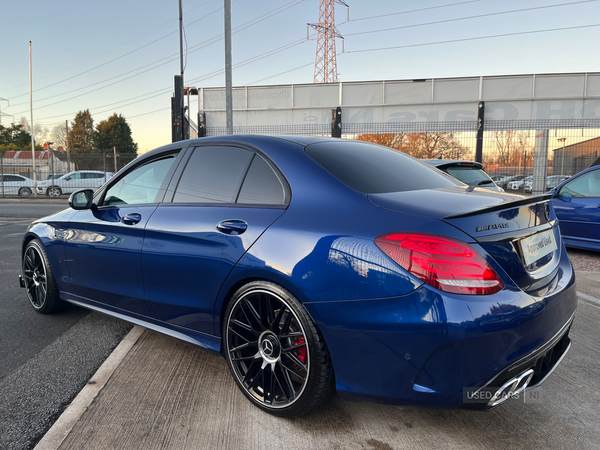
<point>577,206</point>
<point>104,243</point>
<point>224,200</point>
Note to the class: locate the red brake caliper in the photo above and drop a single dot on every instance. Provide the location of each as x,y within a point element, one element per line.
<point>301,352</point>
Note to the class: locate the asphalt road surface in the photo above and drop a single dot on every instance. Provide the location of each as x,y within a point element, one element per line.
<point>45,360</point>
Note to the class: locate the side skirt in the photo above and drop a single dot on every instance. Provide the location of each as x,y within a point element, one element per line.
<point>205,342</point>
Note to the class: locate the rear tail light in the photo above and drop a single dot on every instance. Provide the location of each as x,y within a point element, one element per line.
<point>446,264</point>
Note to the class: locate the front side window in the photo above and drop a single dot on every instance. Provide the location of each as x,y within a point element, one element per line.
<point>141,185</point>
<point>74,176</point>
<point>213,175</point>
<point>586,185</point>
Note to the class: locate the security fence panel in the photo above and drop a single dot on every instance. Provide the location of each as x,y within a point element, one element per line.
<point>438,118</point>
<point>58,175</point>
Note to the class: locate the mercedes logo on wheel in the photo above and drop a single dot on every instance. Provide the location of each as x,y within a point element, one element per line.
<point>267,347</point>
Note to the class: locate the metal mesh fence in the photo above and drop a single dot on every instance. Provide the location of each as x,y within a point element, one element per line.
<point>56,174</point>
<point>308,129</point>
<point>508,145</point>
<point>508,148</point>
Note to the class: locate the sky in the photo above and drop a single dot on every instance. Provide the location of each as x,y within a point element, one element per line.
<point>120,56</point>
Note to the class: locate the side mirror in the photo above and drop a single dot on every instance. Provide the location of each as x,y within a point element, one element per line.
<point>81,199</point>
<point>554,192</point>
<point>68,179</point>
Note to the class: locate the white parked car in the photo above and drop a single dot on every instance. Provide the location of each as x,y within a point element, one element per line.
<point>517,185</point>
<point>73,181</point>
<point>16,185</point>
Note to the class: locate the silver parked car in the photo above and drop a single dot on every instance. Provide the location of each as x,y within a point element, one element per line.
<point>469,172</point>
<point>16,185</point>
<point>73,181</point>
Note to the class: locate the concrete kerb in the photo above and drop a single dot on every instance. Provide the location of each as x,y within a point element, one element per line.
<point>40,199</point>
<point>53,439</point>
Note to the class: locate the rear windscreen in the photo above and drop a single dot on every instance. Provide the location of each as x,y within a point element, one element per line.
<point>374,169</point>
<point>469,174</point>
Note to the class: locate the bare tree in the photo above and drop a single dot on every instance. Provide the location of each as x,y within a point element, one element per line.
<point>59,136</point>
<point>40,133</point>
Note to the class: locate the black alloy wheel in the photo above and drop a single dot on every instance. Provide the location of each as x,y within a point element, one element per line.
<point>275,352</point>
<point>39,280</point>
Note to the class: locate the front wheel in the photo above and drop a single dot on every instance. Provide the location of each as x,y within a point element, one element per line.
<point>54,192</point>
<point>39,280</point>
<point>275,352</point>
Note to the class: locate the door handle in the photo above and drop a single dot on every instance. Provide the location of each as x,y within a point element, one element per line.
<point>131,218</point>
<point>233,227</point>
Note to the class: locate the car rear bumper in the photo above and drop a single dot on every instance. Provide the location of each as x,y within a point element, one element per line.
<point>432,350</point>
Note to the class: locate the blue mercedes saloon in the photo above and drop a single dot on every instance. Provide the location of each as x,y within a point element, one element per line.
<point>316,266</point>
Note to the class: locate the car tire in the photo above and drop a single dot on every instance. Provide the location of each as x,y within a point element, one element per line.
<point>275,351</point>
<point>24,192</point>
<point>53,192</point>
<point>40,283</point>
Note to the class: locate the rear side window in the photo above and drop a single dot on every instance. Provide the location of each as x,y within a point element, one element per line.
<point>213,175</point>
<point>261,185</point>
<point>374,169</point>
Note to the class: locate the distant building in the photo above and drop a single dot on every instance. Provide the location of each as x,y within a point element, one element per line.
<point>46,162</point>
<point>576,157</point>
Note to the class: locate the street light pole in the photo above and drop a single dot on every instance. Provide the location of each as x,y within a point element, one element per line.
<point>228,79</point>
<point>32,141</point>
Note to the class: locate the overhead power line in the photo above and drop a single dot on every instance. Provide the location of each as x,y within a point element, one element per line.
<point>150,95</point>
<point>473,38</point>
<point>162,61</point>
<point>96,56</point>
<point>414,10</point>
<point>478,16</point>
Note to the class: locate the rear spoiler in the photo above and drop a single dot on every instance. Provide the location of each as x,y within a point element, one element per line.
<point>525,201</point>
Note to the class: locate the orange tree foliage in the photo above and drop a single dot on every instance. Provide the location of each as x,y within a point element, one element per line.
<point>421,145</point>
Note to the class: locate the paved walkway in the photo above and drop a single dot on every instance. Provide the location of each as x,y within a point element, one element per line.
<point>155,393</point>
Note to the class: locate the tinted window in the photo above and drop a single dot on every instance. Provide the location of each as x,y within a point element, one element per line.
<point>586,185</point>
<point>468,174</point>
<point>261,185</point>
<point>140,185</point>
<point>373,169</point>
<point>213,175</point>
<point>12,178</point>
<point>93,175</point>
<point>74,176</point>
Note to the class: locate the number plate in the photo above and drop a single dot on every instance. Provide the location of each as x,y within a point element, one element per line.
<point>537,246</point>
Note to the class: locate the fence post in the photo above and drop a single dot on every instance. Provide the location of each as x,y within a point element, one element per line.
<point>479,143</point>
<point>2,170</point>
<point>336,122</point>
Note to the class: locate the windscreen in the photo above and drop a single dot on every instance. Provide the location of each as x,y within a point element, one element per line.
<point>374,169</point>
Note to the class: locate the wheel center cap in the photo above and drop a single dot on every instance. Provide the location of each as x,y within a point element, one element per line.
<point>269,347</point>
